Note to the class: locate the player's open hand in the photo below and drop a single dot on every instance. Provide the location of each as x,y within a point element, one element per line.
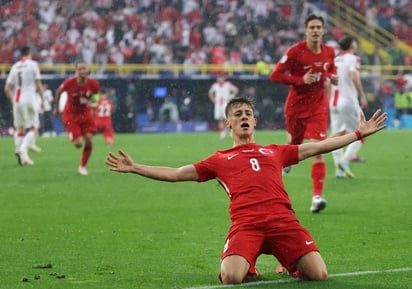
<point>374,124</point>
<point>334,79</point>
<point>309,77</point>
<point>122,163</point>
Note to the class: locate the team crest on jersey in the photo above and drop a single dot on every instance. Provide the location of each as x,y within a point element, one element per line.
<point>284,59</point>
<point>265,151</point>
<point>326,66</point>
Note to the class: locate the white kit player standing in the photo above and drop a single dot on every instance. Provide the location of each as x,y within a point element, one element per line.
<point>22,83</point>
<point>220,93</point>
<point>347,99</point>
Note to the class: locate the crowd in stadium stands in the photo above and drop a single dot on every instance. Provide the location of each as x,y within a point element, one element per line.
<point>172,31</point>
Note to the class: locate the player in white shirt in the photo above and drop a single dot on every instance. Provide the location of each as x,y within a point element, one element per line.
<point>22,83</point>
<point>220,93</point>
<point>347,99</point>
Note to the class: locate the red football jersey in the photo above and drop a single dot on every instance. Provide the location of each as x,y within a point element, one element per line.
<point>251,175</point>
<point>104,108</point>
<point>291,68</point>
<point>78,95</point>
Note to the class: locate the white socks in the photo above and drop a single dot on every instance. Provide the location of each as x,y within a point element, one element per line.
<point>352,151</point>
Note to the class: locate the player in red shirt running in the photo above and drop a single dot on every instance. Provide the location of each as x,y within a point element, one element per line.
<point>305,67</point>
<point>82,92</point>
<point>263,221</point>
<point>103,117</point>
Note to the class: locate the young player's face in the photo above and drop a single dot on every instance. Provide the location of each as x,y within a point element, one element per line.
<point>314,30</point>
<point>241,120</point>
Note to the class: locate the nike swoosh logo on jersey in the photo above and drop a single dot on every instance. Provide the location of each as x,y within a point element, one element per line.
<point>309,242</point>
<point>232,156</point>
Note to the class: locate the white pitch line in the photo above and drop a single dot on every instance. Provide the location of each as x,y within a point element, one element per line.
<point>360,177</point>
<point>290,280</point>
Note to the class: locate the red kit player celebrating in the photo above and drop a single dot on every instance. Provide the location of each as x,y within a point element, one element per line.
<point>77,115</point>
<point>263,221</point>
<point>305,67</point>
<point>103,117</point>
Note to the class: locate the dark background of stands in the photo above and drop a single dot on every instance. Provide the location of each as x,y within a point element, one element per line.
<point>269,99</point>
<point>134,94</point>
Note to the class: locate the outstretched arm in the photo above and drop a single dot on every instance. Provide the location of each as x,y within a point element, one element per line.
<point>366,128</point>
<point>125,164</point>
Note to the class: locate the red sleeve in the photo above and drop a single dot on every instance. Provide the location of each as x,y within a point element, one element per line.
<point>281,71</point>
<point>205,169</point>
<point>290,154</point>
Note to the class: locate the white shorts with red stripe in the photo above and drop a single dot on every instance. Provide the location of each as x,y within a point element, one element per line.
<point>25,115</point>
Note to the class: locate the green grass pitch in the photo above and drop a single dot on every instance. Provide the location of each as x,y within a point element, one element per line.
<point>111,230</point>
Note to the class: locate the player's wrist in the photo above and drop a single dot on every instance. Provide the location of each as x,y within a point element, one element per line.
<point>358,134</point>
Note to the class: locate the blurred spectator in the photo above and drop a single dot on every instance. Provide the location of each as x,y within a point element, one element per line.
<point>196,57</point>
<point>140,47</point>
<point>88,50</point>
<point>102,49</point>
<point>262,65</point>
<point>395,56</point>
<point>168,111</point>
<point>403,101</point>
<point>111,93</point>
<point>386,97</point>
<point>186,112</point>
<point>407,77</point>
<point>164,32</point>
<point>73,33</point>
<point>115,55</point>
<point>116,114</point>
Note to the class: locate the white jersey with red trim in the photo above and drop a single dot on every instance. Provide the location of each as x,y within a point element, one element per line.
<point>23,76</point>
<point>223,92</point>
<point>344,103</point>
<point>345,92</point>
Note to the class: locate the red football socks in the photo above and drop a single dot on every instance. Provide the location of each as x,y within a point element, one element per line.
<point>318,177</point>
<point>87,151</point>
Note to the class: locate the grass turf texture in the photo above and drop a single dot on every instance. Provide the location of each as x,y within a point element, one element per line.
<point>109,230</point>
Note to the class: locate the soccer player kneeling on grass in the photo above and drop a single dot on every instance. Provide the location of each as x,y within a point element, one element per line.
<point>263,221</point>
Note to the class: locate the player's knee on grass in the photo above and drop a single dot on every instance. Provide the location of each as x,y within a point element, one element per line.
<point>233,269</point>
<point>231,276</point>
<point>316,275</point>
<point>312,267</point>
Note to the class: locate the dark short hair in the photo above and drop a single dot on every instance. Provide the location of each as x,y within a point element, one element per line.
<point>25,50</point>
<point>346,41</point>
<point>314,17</point>
<point>239,100</point>
<point>79,61</point>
